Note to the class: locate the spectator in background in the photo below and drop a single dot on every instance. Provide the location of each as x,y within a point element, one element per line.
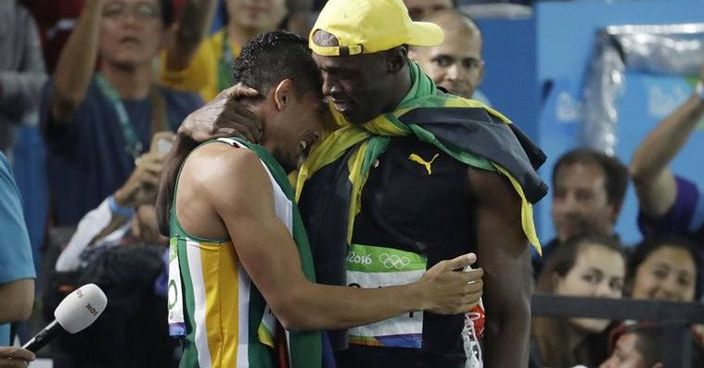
<point>56,19</point>
<point>107,226</point>
<point>588,190</point>
<point>456,64</point>
<point>16,267</point>
<point>670,204</point>
<point>21,71</point>
<point>299,18</point>
<point>588,266</point>
<point>638,346</point>
<point>419,9</point>
<point>199,64</point>
<point>97,123</point>
<point>123,253</point>
<point>663,269</point>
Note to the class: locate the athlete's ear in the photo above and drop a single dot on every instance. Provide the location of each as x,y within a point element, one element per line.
<point>396,58</point>
<point>283,93</point>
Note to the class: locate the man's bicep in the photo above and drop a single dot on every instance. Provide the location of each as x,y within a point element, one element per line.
<point>503,253</point>
<point>503,249</point>
<point>267,252</point>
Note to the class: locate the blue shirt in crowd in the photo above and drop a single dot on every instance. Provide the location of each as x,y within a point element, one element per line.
<point>15,251</point>
<point>685,217</point>
<point>87,158</point>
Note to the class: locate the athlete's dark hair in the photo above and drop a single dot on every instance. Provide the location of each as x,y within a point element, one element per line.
<point>274,56</point>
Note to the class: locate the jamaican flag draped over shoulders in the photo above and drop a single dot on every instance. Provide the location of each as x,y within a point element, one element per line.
<point>467,130</point>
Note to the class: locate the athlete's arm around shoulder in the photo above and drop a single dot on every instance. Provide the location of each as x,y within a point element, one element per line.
<point>504,255</point>
<point>226,192</point>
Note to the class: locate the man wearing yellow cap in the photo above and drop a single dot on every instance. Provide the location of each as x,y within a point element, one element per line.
<point>407,177</point>
<point>411,176</point>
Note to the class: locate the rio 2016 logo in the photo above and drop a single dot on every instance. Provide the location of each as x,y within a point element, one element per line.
<point>363,259</point>
<point>389,261</point>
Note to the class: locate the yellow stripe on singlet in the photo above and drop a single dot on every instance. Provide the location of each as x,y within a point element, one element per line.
<point>220,276</point>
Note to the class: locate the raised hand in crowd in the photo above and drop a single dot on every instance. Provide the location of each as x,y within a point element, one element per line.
<point>121,96</point>
<point>76,62</point>
<point>655,184</point>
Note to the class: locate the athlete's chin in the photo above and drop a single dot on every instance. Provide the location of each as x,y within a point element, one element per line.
<point>351,114</point>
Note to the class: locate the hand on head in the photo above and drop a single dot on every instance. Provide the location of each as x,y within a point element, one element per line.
<point>225,116</point>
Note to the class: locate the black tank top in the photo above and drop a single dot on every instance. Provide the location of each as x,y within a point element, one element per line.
<point>417,200</point>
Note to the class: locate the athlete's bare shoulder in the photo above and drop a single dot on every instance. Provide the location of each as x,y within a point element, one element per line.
<point>217,180</point>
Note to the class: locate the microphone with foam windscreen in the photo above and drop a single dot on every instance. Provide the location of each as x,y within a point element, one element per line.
<point>77,311</point>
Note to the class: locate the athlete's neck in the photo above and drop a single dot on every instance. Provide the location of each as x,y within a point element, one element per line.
<point>403,84</point>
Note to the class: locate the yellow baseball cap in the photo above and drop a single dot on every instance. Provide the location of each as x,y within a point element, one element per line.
<point>369,26</point>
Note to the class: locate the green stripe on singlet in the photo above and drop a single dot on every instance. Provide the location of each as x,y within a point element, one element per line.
<point>189,359</point>
<point>260,355</point>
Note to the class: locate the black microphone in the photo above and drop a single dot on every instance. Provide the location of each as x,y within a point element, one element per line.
<point>77,311</point>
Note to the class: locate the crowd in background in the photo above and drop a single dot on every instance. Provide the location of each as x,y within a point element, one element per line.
<point>109,82</point>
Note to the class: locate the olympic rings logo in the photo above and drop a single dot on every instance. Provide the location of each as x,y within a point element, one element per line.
<point>394,261</point>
